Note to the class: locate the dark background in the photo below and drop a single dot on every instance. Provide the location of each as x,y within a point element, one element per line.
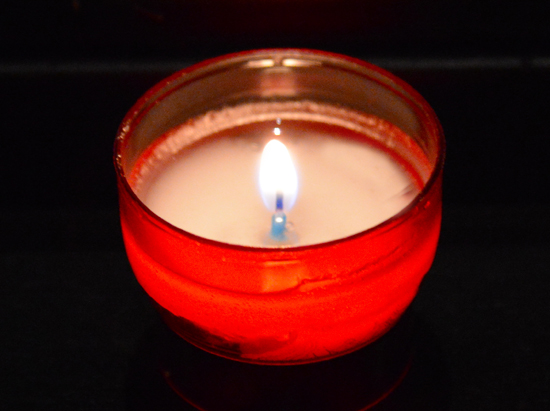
<point>74,322</point>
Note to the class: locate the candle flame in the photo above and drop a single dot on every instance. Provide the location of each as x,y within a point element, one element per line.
<point>278,177</point>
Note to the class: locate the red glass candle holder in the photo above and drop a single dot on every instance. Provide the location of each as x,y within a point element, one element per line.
<point>330,298</point>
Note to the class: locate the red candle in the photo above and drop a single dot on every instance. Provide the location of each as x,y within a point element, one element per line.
<point>334,282</point>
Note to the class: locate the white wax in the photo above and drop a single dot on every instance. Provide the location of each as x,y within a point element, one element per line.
<point>212,191</point>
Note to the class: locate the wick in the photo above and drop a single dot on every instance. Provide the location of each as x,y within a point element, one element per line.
<point>278,220</point>
<point>279,202</point>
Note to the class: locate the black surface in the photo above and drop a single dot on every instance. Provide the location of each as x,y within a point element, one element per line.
<point>77,330</point>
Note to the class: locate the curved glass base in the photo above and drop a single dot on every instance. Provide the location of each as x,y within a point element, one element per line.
<point>237,350</point>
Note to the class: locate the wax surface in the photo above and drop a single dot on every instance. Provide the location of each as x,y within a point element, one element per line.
<point>210,188</point>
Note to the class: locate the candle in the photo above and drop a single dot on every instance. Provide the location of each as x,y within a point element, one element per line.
<point>257,270</point>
